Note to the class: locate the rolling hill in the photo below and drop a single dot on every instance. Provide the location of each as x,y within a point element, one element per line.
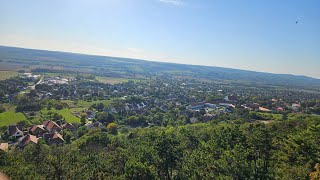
<point>12,58</point>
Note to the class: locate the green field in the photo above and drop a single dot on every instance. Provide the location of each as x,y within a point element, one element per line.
<point>66,113</point>
<point>270,116</point>
<point>85,104</point>
<point>7,74</point>
<point>10,117</point>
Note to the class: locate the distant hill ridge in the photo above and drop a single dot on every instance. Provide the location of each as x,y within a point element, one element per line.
<point>104,65</point>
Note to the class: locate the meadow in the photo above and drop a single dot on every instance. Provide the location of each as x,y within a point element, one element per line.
<point>66,113</point>
<point>74,107</point>
<point>10,117</point>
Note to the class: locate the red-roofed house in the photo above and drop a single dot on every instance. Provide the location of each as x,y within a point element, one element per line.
<point>51,126</point>
<point>295,106</point>
<point>280,109</point>
<point>68,126</point>
<point>53,138</point>
<point>28,139</point>
<point>37,130</point>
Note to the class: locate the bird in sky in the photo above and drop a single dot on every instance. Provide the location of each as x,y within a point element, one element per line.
<point>297,22</point>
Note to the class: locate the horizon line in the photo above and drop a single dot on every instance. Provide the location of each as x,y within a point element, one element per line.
<point>157,61</point>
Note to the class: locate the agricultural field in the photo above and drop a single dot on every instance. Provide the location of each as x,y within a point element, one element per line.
<point>112,80</point>
<point>7,74</point>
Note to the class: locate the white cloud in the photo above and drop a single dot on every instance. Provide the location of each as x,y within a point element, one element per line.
<point>173,2</point>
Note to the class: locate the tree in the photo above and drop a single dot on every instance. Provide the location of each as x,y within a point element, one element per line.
<point>284,116</point>
<point>33,93</point>
<point>316,174</point>
<point>260,146</point>
<point>105,118</point>
<point>99,107</point>
<point>137,170</point>
<point>112,128</point>
<point>83,118</point>
<point>67,136</point>
<point>169,154</point>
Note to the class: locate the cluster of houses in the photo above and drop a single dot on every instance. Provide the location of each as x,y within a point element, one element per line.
<point>226,105</point>
<point>135,106</point>
<point>213,109</point>
<point>128,107</point>
<point>279,107</point>
<point>49,131</point>
<point>30,76</point>
<point>55,80</point>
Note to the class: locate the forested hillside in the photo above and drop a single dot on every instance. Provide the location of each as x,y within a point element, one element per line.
<point>233,150</point>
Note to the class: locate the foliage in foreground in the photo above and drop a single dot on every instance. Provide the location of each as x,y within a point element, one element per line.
<point>280,150</point>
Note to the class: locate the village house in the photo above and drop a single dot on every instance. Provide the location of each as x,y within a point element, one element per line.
<point>68,126</point>
<point>251,106</point>
<point>37,130</point>
<point>28,139</point>
<point>96,124</point>
<point>51,126</point>
<point>202,105</point>
<point>264,109</point>
<point>279,109</point>
<point>295,107</point>
<point>14,131</point>
<point>4,147</point>
<point>231,97</point>
<point>53,138</point>
<point>90,114</point>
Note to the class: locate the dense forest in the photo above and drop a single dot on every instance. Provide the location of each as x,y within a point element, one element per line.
<point>227,150</point>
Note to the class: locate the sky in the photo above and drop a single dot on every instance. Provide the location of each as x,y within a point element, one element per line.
<point>259,35</point>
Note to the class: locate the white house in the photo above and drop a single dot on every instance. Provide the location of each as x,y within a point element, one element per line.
<point>14,131</point>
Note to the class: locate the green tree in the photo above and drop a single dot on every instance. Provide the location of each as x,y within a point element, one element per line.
<point>83,118</point>
<point>112,128</point>
<point>167,147</point>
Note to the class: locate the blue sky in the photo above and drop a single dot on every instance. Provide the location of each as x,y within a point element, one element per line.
<point>260,35</point>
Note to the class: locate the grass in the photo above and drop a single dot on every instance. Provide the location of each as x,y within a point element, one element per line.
<point>270,116</point>
<point>66,113</point>
<point>7,74</point>
<point>87,104</point>
<point>78,107</point>
<point>10,117</point>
